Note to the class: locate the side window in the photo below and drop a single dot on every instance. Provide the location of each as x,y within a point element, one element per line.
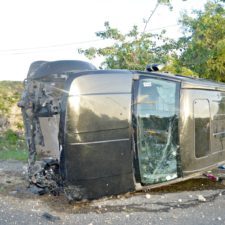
<point>202,127</point>
<point>157,129</point>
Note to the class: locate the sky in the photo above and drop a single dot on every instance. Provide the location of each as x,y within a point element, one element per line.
<point>33,30</point>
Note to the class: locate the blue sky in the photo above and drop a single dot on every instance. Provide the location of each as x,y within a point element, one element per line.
<point>54,29</point>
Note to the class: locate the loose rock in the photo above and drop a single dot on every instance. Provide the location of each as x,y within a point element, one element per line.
<point>201,198</point>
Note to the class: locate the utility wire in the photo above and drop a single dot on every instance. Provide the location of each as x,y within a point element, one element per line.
<point>160,28</point>
<point>49,46</point>
<point>23,51</point>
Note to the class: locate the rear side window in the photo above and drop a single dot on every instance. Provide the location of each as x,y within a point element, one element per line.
<point>157,129</point>
<point>202,127</point>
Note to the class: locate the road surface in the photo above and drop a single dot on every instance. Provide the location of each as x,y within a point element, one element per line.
<point>167,206</point>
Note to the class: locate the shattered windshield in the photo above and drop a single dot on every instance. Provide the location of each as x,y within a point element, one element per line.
<point>157,130</point>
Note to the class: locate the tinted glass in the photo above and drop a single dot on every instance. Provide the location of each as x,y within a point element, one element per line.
<point>157,129</point>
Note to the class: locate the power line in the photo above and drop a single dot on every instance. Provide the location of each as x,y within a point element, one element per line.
<point>23,51</point>
<point>31,52</point>
<point>160,28</point>
<point>49,46</point>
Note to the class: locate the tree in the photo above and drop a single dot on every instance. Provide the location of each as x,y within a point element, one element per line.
<point>200,52</point>
<point>133,50</point>
<point>203,43</point>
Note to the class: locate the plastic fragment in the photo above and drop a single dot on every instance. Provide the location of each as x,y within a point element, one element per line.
<point>50,217</point>
<point>215,178</point>
<point>211,177</point>
<point>222,167</point>
<point>201,198</point>
<point>148,196</point>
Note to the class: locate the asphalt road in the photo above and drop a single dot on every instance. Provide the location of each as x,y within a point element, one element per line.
<point>17,206</point>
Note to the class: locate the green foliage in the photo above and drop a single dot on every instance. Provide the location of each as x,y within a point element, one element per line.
<point>200,52</point>
<point>166,2</point>
<point>132,50</point>
<point>10,93</point>
<point>13,154</point>
<point>12,146</point>
<point>204,42</point>
<point>11,137</point>
<point>175,67</point>
<point>19,125</point>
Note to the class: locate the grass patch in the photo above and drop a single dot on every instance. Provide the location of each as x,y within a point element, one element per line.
<point>10,92</point>
<point>21,155</point>
<point>12,146</point>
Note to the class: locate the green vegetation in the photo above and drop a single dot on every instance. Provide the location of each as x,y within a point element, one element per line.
<point>203,43</point>
<point>12,143</point>
<point>200,52</point>
<point>10,93</point>
<point>21,155</point>
<point>132,50</point>
<point>12,146</point>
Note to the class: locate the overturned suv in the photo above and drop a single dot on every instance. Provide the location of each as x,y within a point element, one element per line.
<point>108,132</point>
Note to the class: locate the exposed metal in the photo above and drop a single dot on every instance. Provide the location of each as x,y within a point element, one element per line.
<point>114,131</point>
<point>41,105</point>
<point>154,67</point>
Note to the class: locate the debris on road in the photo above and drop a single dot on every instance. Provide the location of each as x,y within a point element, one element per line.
<point>222,167</point>
<point>46,179</point>
<point>50,217</point>
<point>201,198</point>
<point>148,196</point>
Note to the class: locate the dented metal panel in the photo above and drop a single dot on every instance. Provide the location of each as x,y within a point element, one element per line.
<point>98,139</point>
<point>41,103</point>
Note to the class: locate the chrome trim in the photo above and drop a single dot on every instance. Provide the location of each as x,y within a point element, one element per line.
<point>99,142</point>
<point>219,133</point>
